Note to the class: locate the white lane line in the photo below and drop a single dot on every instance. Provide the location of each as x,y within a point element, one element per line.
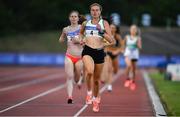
<point>81,110</point>
<point>43,79</point>
<point>23,75</point>
<point>16,71</point>
<point>101,91</point>
<point>11,71</point>
<point>157,105</point>
<point>35,97</point>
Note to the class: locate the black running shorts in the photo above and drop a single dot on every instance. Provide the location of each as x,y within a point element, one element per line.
<point>96,54</point>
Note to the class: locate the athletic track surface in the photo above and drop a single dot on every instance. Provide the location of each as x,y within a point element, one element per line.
<point>41,91</point>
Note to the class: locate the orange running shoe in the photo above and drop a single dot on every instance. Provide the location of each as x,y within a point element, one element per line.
<point>127,83</point>
<point>88,99</point>
<point>133,86</point>
<point>96,105</point>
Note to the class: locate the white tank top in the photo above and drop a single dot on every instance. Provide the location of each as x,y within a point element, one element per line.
<point>94,30</point>
<point>131,43</point>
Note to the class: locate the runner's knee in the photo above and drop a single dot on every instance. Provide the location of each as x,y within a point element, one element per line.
<point>89,73</point>
<point>70,77</point>
<point>96,82</point>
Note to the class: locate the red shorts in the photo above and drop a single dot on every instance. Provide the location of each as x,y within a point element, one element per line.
<point>73,59</point>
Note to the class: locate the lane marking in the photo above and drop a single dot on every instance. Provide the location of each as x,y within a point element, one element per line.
<point>157,105</point>
<point>101,91</point>
<point>11,71</point>
<point>43,79</point>
<point>16,71</point>
<point>24,75</point>
<point>35,97</point>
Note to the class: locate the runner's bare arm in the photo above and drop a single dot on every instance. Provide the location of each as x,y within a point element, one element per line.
<point>63,36</point>
<point>139,43</point>
<point>77,39</point>
<point>124,43</point>
<point>107,35</point>
<point>120,47</point>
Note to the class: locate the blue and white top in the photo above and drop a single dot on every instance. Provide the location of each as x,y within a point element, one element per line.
<point>94,29</point>
<point>72,34</point>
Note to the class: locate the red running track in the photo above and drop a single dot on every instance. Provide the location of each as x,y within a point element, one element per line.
<point>43,93</point>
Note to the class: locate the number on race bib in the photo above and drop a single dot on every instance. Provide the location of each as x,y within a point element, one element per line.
<point>91,32</point>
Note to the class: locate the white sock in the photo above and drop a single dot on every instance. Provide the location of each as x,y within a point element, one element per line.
<point>109,87</point>
<point>89,92</point>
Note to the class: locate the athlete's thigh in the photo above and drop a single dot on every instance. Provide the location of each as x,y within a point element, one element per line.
<point>115,63</point>
<point>78,67</point>
<point>104,73</point>
<point>128,61</point>
<point>134,63</point>
<point>109,61</point>
<point>69,67</point>
<point>88,63</point>
<point>98,70</point>
<point>106,64</point>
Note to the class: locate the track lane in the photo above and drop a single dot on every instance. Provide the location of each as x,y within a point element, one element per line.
<point>54,104</point>
<point>9,98</point>
<point>124,102</point>
<point>25,78</point>
<point>11,71</point>
<point>34,100</point>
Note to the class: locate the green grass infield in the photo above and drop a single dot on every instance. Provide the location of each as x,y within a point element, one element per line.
<point>169,92</point>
